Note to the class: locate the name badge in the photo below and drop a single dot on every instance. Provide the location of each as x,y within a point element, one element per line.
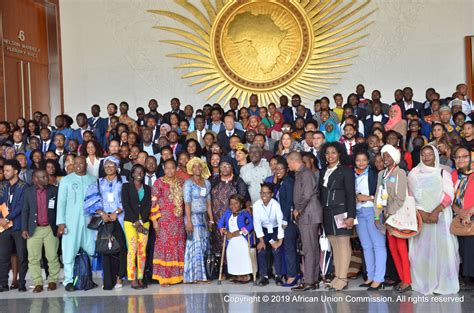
<point>203,192</point>
<point>110,197</point>
<point>51,204</point>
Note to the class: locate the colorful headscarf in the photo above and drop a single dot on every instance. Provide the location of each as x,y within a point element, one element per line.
<point>334,135</point>
<point>205,170</point>
<point>394,121</point>
<point>276,126</point>
<point>392,151</point>
<point>167,127</point>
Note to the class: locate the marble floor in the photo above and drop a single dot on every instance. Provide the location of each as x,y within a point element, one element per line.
<point>230,297</point>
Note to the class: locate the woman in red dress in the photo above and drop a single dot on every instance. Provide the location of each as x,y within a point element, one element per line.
<point>167,215</point>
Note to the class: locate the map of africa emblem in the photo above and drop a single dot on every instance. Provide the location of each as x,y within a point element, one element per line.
<point>235,48</point>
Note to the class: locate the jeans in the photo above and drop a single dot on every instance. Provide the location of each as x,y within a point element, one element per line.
<point>277,255</point>
<point>373,244</point>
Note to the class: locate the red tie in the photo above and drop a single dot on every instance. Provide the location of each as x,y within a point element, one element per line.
<point>350,148</point>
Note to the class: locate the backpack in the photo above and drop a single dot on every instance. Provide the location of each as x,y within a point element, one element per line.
<point>82,272</point>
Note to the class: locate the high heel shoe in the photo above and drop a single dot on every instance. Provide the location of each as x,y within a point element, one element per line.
<point>402,290</point>
<point>366,285</point>
<point>380,286</point>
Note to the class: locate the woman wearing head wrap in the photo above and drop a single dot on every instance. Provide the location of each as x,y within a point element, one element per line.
<point>164,129</point>
<point>433,252</point>
<point>167,216</point>
<point>226,184</point>
<point>254,122</point>
<point>396,121</point>
<point>330,129</point>
<point>199,220</point>
<point>463,205</point>
<point>274,132</point>
<point>105,198</point>
<point>389,198</point>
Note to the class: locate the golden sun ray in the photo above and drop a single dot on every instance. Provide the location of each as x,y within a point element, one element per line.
<point>307,45</point>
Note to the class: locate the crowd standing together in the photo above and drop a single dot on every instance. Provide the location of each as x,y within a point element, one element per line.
<point>291,192</point>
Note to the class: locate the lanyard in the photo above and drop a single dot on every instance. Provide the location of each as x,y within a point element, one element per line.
<point>269,216</point>
<point>386,175</point>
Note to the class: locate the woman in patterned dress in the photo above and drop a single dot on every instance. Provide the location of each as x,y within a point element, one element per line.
<point>225,185</point>
<point>197,202</point>
<point>167,216</point>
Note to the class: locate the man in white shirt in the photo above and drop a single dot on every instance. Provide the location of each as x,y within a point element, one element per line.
<point>461,92</point>
<point>150,166</point>
<point>268,225</point>
<point>255,172</point>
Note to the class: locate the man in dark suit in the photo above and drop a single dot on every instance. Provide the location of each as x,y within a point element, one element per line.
<point>153,106</point>
<point>216,124</point>
<point>175,104</point>
<point>224,136</point>
<point>18,142</point>
<point>38,226</point>
<point>173,137</point>
<point>291,113</point>
<point>97,124</point>
<point>409,103</point>
<point>12,196</point>
<point>147,143</point>
<point>46,143</point>
<point>376,116</point>
<point>308,214</point>
<point>83,125</point>
<point>25,173</point>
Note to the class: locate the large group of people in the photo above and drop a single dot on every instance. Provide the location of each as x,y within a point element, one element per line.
<point>272,187</point>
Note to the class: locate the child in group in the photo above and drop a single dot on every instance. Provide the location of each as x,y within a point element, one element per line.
<point>237,224</point>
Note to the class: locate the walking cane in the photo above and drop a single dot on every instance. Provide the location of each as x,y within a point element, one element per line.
<point>219,281</point>
<point>253,259</point>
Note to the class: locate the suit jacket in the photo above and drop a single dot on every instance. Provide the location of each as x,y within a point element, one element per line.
<point>369,122</point>
<point>194,135</point>
<point>221,128</point>
<point>99,128</point>
<point>289,117</point>
<point>285,197</point>
<point>223,140</point>
<point>21,149</point>
<point>338,197</point>
<point>134,209</point>
<point>420,107</point>
<point>306,198</point>
<point>29,211</point>
<point>16,204</point>
<point>166,117</point>
<point>27,177</point>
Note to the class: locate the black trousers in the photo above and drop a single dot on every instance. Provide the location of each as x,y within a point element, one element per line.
<point>8,240</point>
<point>150,250</point>
<point>115,265</point>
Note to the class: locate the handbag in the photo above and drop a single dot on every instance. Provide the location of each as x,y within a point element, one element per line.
<point>458,228</point>
<point>106,243</point>
<point>324,244</point>
<point>95,222</point>
<point>407,222</point>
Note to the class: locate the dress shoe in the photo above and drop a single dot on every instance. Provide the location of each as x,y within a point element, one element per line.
<point>4,288</point>
<point>14,286</point>
<point>402,290</point>
<point>22,288</point>
<point>380,286</point>
<point>278,281</point>
<point>365,285</point>
<point>306,287</point>
<point>38,289</point>
<point>69,287</point>
<point>263,282</point>
<point>52,286</point>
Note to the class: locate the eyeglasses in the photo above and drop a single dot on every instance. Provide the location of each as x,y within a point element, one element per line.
<point>462,157</point>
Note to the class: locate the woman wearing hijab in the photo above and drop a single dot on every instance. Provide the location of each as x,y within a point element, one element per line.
<point>396,122</point>
<point>199,220</point>
<point>164,129</point>
<point>254,122</point>
<point>275,131</point>
<point>226,184</point>
<point>463,205</point>
<point>433,252</point>
<point>329,128</point>
<point>389,198</point>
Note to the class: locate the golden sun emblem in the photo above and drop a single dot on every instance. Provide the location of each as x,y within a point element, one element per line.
<point>267,47</point>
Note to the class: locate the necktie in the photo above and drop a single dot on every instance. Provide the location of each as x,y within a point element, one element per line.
<point>229,134</point>
<point>17,147</point>
<point>311,150</point>
<point>350,148</point>
<point>149,180</point>
<point>200,137</point>
<point>44,147</point>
